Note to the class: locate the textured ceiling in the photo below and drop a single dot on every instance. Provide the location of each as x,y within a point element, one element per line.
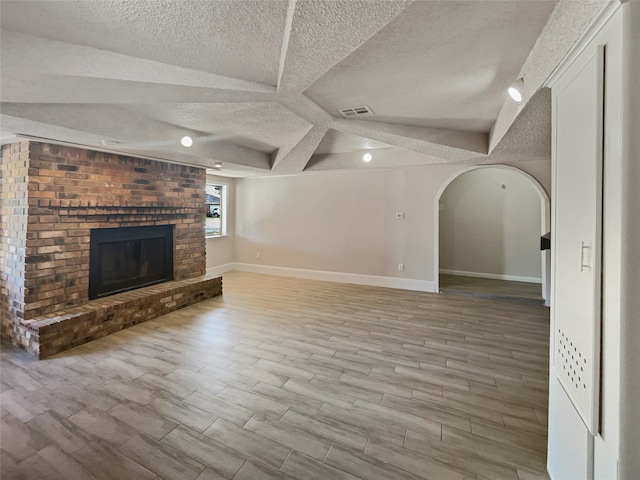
<point>452,58</point>
<point>258,84</point>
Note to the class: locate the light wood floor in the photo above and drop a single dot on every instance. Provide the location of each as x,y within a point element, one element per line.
<point>490,288</point>
<point>286,378</point>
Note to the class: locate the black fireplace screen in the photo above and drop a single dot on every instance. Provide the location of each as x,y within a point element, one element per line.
<point>125,258</point>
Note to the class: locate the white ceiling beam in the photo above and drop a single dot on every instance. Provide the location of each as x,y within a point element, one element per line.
<point>35,55</point>
<point>319,34</point>
<point>530,132</point>
<point>291,7</point>
<point>305,108</point>
<point>382,158</point>
<point>40,132</point>
<point>567,23</point>
<point>296,158</point>
<point>449,145</point>
<point>27,87</point>
<point>134,133</point>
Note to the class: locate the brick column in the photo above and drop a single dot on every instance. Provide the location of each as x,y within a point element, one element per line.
<point>13,235</point>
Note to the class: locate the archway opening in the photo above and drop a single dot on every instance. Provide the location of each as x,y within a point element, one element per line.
<point>489,221</point>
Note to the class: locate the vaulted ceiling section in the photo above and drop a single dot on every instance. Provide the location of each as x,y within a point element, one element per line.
<point>260,84</point>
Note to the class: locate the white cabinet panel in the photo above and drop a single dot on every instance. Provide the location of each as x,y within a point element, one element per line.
<point>605,463</point>
<point>569,439</point>
<point>578,104</point>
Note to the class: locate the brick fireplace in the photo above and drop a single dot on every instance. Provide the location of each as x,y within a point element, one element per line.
<point>53,197</point>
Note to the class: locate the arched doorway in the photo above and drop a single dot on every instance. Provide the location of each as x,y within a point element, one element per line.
<point>492,239</point>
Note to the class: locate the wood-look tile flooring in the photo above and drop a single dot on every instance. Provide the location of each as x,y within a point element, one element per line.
<point>286,378</point>
<point>490,288</point>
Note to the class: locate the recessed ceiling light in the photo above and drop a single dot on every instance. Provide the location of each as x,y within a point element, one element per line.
<point>217,165</point>
<point>516,90</point>
<point>367,157</point>
<point>186,141</point>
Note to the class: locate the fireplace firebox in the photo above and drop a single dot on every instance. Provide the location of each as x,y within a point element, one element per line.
<point>126,258</point>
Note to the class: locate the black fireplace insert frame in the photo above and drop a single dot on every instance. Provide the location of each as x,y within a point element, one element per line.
<point>99,236</point>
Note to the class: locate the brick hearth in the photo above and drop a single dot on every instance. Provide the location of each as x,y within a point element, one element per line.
<point>52,196</point>
<point>61,331</point>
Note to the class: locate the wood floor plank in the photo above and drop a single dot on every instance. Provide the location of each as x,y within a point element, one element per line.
<point>528,441</point>
<point>439,413</point>
<point>19,406</point>
<point>420,465</point>
<point>285,378</point>
<point>161,459</point>
<point>161,382</point>
<point>58,431</point>
<point>298,402</point>
<point>195,381</point>
<point>468,460</point>
<point>491,448</point>
<point>254,402</point>
<point>301,466</point>
<point>106,462</point>
<point>328,429</point>
<point>56,464</point>
<point>361,465</point>
<point>182,413</point>
<point>17,441</point>
<point>294,438</point>
<point>208,474</point>
<point>290,371</point>
<point>127,390</point>
<point>389,432</point>
<point>219,407</point>
<point>253,445</point>
<point>206,451</point>
<point>103,426</point>
<point>491,286</point>
<point>342,400</point>
<point>253,470</point>
<point>502,406</point>
<point>143,419</point>
<point>397,417</point>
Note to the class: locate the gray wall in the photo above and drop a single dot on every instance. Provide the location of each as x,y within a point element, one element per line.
<point>487,229</point>
<point>630,322</point>
<point>345,221</point>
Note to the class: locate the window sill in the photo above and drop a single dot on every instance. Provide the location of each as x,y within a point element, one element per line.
<point>216,236</point>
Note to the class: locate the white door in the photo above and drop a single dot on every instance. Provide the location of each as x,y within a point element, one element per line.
<point>576,252</point>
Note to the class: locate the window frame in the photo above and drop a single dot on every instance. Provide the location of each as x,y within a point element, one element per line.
<point>224,210</point>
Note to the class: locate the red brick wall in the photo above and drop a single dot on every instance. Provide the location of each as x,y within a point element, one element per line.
<point>13,234</point>
<point>72,190</point>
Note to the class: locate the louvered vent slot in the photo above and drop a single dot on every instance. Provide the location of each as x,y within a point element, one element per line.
<point>355,112</point>
<point>572,361</point>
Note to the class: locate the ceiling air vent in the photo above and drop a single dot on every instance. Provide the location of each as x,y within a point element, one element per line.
<point>356,112</point>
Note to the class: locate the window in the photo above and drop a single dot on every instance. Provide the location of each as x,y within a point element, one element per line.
<point>216,210</point>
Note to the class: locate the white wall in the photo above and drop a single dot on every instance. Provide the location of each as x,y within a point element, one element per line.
<point>221,250</point>
<point>630,325</point>
<point>488,229</point>
<point>345,221</point>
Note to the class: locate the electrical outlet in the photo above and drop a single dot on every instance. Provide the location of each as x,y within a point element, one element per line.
<point>258,255</point>
<point>401,267</point>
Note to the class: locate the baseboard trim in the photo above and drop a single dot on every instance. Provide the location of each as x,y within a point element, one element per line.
<point>220,269</point>
<point>494,276</point>
<point>340,277</point>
